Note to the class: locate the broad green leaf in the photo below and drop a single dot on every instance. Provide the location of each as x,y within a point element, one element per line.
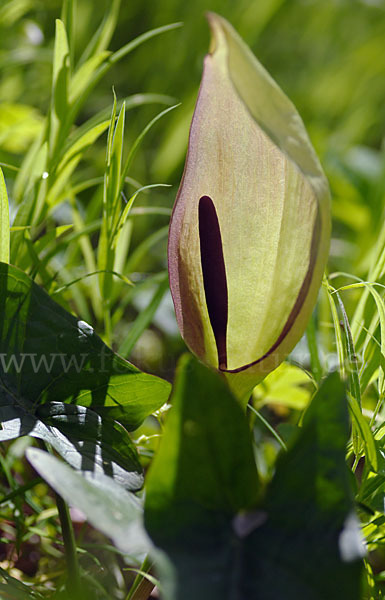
<point>222,540</point>
<point>107,506</point>
<point>4,221</point>
<point>79,435</point>
<point>309,545</point>
<point>47,354</point>
<point>203,474</point>
<point>14,589</point>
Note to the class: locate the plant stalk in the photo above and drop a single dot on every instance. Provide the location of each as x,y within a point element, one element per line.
<point>73,580</point>
<point>311,337</point>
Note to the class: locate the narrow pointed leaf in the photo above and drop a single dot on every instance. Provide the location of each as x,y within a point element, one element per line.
<point>84,74</point>
<point>60,78</point>
<point>4,221</point>
<point>102,36</point>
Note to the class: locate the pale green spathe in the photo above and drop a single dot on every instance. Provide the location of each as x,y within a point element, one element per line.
<point>250,155</point>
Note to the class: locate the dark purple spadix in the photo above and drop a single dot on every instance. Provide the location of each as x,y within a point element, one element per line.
<point>214,274</point>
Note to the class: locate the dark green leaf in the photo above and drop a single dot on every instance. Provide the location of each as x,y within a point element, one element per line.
<point>203,474</point>
<point>203,510</point>
<point>309,545</point>
<point>14,589</point>
<point>47,354</point>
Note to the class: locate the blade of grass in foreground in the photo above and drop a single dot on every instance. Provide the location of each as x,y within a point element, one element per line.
<point>363,441</point>
<point>4,221</point>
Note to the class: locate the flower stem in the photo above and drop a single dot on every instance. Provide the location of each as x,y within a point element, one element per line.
<point>268,426</point>
<point>315,362</point>
<point>107,324</point>
<point>73,581</point>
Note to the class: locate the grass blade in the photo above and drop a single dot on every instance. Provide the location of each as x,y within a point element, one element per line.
<point>68,18</point>
<point>144,319</point>
<point>139,139</point>
<point>127,209</point>
<point>60,76</point>
<point>102,37</point>
<point>4,221</point>
<point>84,75</point>
<point>113,59</point>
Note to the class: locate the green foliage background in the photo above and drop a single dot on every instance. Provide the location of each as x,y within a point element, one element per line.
<point>328,56</point>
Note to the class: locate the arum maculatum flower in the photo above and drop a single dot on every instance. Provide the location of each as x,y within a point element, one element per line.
<point>250,229</point>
